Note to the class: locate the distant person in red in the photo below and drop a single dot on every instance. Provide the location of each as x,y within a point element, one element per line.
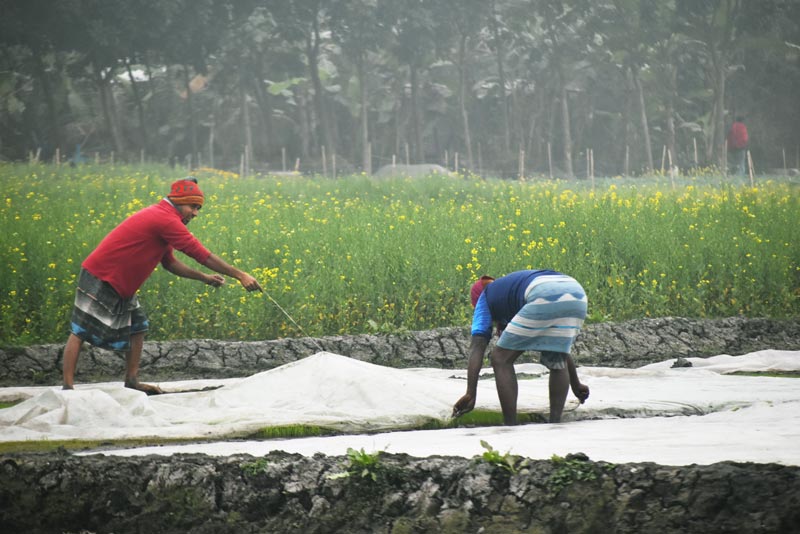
<point>737,145</point>
<point>107,313</point>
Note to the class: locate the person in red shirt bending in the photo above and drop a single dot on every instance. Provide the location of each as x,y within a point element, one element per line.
<point>737,145</point>
<point>107,312</point>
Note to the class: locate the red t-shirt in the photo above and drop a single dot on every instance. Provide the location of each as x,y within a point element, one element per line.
<point>126,257</point>
<point>737,136</point>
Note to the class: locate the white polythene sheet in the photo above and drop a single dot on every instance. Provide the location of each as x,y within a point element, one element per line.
<point>679,416</point>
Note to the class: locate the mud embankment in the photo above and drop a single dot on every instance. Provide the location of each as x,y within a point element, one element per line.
<point>625,344</point>
<point>396,495</point>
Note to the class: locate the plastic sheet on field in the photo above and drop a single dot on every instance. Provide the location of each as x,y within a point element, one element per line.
<point>698,414</point>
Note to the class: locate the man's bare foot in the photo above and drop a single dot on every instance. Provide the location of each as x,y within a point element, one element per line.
<point>149,389</point>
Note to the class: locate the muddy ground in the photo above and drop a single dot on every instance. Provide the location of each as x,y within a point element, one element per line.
<point>394,494</point>
<point>398,494</point>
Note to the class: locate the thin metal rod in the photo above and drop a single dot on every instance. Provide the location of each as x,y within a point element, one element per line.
<point>275,302</point>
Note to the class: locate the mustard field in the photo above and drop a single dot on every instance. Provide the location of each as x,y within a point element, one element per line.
<point>366,255</point>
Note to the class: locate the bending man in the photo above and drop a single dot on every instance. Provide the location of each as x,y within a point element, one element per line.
<point>534,310</point>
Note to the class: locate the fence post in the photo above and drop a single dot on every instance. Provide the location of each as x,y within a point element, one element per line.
<point>480,160</point>
<point>671,169</point>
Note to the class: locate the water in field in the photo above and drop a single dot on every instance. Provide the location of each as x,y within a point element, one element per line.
<point>675,416</point>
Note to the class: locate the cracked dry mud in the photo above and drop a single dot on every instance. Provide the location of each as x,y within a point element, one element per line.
<point>58,492</point>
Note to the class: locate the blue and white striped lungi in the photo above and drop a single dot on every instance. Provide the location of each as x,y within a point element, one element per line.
<point>554,311</point>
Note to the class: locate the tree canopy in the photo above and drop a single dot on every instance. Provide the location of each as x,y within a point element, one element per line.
<point>495,83</point>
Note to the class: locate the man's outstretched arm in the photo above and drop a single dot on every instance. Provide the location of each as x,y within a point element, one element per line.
<point>477,350</point>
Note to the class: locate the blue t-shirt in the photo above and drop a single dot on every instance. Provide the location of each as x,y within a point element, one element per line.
<point>501,300</point>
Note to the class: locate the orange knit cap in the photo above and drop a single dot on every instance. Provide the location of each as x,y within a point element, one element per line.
<point>186,192</point>
<point>478,287</point>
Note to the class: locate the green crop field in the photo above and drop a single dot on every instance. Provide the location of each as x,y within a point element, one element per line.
<point>359,254</point>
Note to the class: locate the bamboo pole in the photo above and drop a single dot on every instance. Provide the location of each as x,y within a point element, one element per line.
<point>211,133</point>
<point>480,160</point>
<point>671,169</point>
<point>297,165</point>
<point>324,163</point>
<point>521,165</point>
<point>408,155</point>
<point>550,160</point>
<point>588,173</point>
<point>725,159</point>
<point>455,161</point>
<point>333,165</point>
<point>750,168</point>
<point>369,159</point>
<point>627,169</point>
<point>696,161</point>
<point>663,158</point>
<point>283,158</point>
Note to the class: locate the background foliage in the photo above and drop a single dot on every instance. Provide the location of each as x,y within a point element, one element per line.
<point>273,82</point>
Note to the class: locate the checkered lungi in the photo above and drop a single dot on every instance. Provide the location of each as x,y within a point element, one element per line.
<point>103,318</point>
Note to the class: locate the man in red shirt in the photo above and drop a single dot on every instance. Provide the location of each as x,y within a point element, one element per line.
<point>737,145</point>
<point>107,313</point>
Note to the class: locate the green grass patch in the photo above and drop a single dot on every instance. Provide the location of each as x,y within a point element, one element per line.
<point>771,374</point>
<point>77,445</point>
<point>480,418</point>
<point>292,431</point>
<point>476,418</point>
<point>9,404</point>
